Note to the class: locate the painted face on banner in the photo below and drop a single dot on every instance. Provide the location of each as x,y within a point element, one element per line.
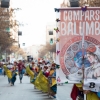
<point>74,57</point>
<point>91,58</point>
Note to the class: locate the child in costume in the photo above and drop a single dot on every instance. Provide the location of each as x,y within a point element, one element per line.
<point>11,77</point>
<point>45,71</point>
<point>52,81</point>
<point>14,68</point>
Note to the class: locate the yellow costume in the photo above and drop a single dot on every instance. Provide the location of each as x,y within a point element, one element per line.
<point>8,72</point>
<point>30,73</point>
<point>89,96</point>
<point>53,79</point>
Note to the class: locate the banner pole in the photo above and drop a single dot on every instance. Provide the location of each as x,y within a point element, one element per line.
<point>83,50</point>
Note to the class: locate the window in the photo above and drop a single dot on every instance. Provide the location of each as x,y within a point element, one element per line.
<point>23,44</point>
<point>5,4</point>
<point>51,41</point>
<point>74,3</point>
<point>19,32</point>
<point>50,32</point>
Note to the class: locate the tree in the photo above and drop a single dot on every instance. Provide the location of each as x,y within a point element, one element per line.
<point>64,4</point>
<point>47,48</point>
<point>21,52</point>
<point>14,48</point>
<point>91,3</point>
<point>7,23</point>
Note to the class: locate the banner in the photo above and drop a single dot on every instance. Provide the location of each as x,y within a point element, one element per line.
<point>80,36</point>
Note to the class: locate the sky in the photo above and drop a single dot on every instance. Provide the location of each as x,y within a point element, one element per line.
<point>37,14</point>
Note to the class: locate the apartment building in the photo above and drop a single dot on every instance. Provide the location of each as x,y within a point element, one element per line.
<point>50,33</point>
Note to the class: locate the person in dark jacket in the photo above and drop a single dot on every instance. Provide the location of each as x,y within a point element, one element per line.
<point>20,70</point>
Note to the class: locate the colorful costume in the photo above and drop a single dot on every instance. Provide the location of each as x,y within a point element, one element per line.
<point>52,81</point>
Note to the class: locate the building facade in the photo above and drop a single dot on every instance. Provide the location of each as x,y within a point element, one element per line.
<point>50,33</point>
<point>51,39</point>
<point>33,51</point>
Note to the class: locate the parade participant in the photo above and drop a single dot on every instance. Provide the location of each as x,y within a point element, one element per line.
<point>35,70</point>
<point>33,66</point>
<point>13,79</point>
<point>24,69</point>
<point>74,92</point>
<point>9,67</point>
<point>30,72</point>
<point>11,72</point>
<point>45,71</point>
<point>41,64</point>
<point>8,72</point>
<point>30,66</point>
<point>77,92</point>
<point>39,68</point>
<point>20,70</point>
<point>14,74</point>
<point>52,81</point>
<point>14,68</point>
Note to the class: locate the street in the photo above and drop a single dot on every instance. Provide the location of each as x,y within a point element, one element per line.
<point>26,91</point>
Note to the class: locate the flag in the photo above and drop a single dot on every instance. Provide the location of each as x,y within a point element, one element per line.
<point>30,73</point>
<point>37,83</point>
<point>42,82</point>
<point>8,72</point>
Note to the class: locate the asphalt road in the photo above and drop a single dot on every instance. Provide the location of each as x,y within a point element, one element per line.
<point>26,91</point>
